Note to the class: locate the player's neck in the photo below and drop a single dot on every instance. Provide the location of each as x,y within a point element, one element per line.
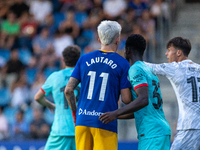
<point>135,59</point>
<point>182,58</point>
<point>109,48</point>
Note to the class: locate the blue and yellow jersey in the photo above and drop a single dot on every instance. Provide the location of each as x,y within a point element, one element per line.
<point>102,74</point>
<point>63,122</point>
<point>150,120</point>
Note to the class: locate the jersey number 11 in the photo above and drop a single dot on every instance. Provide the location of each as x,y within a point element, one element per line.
<point>92,75</point>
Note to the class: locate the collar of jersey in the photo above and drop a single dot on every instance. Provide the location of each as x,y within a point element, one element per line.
<point>106,51</point>
<point>186,60</point>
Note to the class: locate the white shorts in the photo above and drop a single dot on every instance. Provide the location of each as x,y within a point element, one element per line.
<point>186,140</point>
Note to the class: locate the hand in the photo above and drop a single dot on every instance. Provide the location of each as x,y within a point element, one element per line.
<point>51,107</point>
<point>108,117</point>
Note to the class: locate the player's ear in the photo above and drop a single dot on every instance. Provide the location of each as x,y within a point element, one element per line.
<point>117,41</point>
<point>127,50</point>
<point>179,52</point>
<point>99,40</point>
<point>63,61</point>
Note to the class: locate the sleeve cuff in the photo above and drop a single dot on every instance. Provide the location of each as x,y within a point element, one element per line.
<point>42,90</point>
<point>140,85</point>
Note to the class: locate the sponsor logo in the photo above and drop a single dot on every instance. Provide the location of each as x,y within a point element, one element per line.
<point>141,135</point>
<point>89,113</point>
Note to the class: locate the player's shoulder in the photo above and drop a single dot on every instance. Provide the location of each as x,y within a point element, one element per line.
<point>139,64</point>
<point>136,68</point>
<point>87,55</point>
<point>188,62</point>
<point>54,74</point>
<point>120,59</point>
<point>190,65</point>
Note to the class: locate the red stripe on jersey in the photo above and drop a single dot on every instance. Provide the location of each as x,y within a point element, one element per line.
<point>143,84</point>
<point>42,90</point>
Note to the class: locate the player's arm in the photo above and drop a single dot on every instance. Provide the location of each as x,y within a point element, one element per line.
<point>126,95</point>
<point>40,98</point>
<point>140,102</point>
<point>70,95</point>
<point>164,69</point>
<point>126,116</point>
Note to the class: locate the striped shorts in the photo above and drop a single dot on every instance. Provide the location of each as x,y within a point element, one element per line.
<point>186,140</point>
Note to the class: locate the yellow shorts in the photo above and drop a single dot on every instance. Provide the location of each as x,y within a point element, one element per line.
<point>89,138</point>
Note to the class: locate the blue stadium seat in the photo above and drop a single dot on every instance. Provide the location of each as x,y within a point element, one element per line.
<point>4,96</point>
<point>58,17</point>
<point>80,17</point>
<point>31,75</point>
<point>25,56</point>
<point>5,54</point>
<point>10,113</point>
<point>85,38</point>
<point>48,116</point>
<point>89,34</point>
<point>28,115</point>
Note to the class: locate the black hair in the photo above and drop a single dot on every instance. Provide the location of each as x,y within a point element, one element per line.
<point>136,43</point>
<point>180,43</point>
<point>71,54</point>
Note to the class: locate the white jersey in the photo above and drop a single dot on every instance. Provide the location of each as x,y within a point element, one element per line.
<point>185,79</point>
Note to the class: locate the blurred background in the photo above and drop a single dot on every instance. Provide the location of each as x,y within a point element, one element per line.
<point>33,34</point>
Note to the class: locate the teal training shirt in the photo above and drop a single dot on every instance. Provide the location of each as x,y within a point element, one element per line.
<point>150,120</point>
<point>63,122</point>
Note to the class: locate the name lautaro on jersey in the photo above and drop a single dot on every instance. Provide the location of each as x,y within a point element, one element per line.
<point>102,60</point>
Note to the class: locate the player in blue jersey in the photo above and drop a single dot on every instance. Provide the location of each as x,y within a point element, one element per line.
<point>103,75</point>
<point>153,129</point>
<point>62,136</point>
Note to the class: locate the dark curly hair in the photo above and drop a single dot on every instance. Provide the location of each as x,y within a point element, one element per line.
<point>180,43</point>
<point>136,43</point>
<point>71,54</point>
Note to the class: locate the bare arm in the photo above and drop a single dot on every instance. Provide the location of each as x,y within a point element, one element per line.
<point>140,102</point>
<point>40,98</point>
<point>126,95</point>
<point>126,116</point>
<point>69,93</point>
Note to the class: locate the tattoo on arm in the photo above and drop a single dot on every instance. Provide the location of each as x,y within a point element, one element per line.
<point>72,83</point>
<point>69,93</point>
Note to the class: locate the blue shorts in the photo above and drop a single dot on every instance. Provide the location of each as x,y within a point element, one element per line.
<point>60,143</point>
<point>156,143</point>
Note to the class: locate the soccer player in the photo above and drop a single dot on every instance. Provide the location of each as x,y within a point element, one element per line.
<point>62,136</point>
<point>103,76</point>
<point>184,76</point>
<point>153,129</point>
